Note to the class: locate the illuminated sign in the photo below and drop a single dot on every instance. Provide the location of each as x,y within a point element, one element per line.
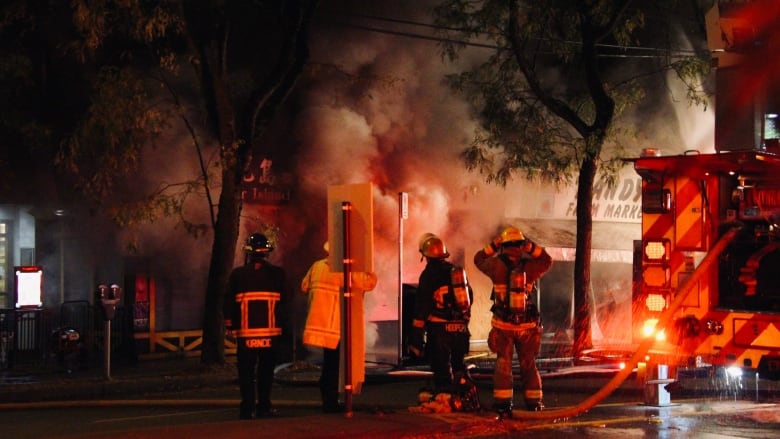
<point>28,286</point>
<point>260,185</point>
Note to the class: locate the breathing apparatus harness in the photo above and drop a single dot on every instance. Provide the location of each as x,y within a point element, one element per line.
<point>455,303</point>
<point>512,301</point>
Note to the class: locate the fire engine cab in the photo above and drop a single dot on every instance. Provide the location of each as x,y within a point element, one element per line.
<point>717,214</point>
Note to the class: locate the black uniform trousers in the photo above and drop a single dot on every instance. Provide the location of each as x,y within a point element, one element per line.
<point>255,376</point>
<point>329,378</point>
<point>447,346</point>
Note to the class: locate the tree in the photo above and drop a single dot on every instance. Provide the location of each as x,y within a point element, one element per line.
<point>128,63</point>
<point>549,96</point>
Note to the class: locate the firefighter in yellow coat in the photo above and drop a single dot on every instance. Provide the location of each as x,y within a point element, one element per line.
<point>323,326</point>
<point>514,264</point>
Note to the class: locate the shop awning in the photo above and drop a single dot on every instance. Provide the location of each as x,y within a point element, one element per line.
<point>612,241</point>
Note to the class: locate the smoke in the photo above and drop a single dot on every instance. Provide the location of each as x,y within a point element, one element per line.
<point>666,118</point>
<point>375,109</point>
<point>397,126</point>
<point>696,124</point>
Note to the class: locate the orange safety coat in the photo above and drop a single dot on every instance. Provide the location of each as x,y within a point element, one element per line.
<point>323,326</point>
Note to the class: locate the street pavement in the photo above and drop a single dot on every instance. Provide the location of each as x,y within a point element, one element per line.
<point>385,407</point>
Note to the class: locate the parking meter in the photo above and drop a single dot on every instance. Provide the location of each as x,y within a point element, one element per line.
<point>109,297</point>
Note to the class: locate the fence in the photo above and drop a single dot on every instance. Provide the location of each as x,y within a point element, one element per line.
<point>25,335</point>
<point>38,337</point>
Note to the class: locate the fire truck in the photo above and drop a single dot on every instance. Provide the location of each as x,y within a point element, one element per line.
<point>706,272</point>
<point>711,241</point>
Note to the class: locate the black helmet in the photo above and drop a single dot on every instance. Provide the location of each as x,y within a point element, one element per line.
<point>258,243</point>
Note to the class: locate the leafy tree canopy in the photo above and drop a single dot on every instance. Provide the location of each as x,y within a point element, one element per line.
<point>544,88</point>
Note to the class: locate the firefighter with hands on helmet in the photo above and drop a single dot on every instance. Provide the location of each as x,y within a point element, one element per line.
<point>514,264</point>
<point>255,296</point>
<point>442,311</point>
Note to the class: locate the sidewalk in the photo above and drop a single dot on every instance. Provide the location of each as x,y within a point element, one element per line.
<point>380,410</point>
<point>161,378</point>
<point>39,384</point>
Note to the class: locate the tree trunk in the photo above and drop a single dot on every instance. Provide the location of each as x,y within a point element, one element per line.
<point>582,293</point>
<point>256,116</point>
<point>222,255</point>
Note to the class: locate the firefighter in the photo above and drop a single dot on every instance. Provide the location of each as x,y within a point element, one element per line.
<point>514,264</point>
<point>323,323</point>
<point>254,301</point>
<point>442,311</point>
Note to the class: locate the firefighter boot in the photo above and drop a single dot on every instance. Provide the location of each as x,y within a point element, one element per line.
<point>266,411</point>
<point>503,408</point>
<point>330,400</point>
<point>467,392</point>
<point>245,411</point>
<point>534,406</point>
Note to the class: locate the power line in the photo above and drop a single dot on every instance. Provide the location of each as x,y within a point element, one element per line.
<point>659,51</point>
<point>416,36</point>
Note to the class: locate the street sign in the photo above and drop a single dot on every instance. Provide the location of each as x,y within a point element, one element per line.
<point>360,196</point>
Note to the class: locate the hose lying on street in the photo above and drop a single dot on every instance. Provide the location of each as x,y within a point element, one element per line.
<point>644,346</point>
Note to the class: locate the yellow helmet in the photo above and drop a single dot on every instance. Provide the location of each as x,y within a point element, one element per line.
<point>511,234</point>
<point>431,246</point>
<point>424,237</point>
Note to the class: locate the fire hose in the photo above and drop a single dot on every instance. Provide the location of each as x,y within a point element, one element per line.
<point>644,346</point>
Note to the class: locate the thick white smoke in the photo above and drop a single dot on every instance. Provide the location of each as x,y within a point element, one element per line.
<point>384,115</point>
<point>376,109</point>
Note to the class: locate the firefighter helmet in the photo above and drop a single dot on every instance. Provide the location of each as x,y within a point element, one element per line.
<point>423,238</point>
<point>258,243</point>
<point>511,234</point>
<point>433,247</point>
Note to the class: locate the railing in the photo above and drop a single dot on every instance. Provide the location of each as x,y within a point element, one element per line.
<point>28,336</point>
<point>181,343</point>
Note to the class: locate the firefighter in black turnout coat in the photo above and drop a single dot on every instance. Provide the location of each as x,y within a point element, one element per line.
<point>442,312</point>
<point>254,313</point>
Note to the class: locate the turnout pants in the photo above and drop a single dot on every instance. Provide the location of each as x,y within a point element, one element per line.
<point>527,343</point>
<point>447,345</point>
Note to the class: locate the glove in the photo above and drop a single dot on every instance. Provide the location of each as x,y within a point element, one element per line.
<point>494,245</point>
<point>532,249</point>
<point>416,342</point>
